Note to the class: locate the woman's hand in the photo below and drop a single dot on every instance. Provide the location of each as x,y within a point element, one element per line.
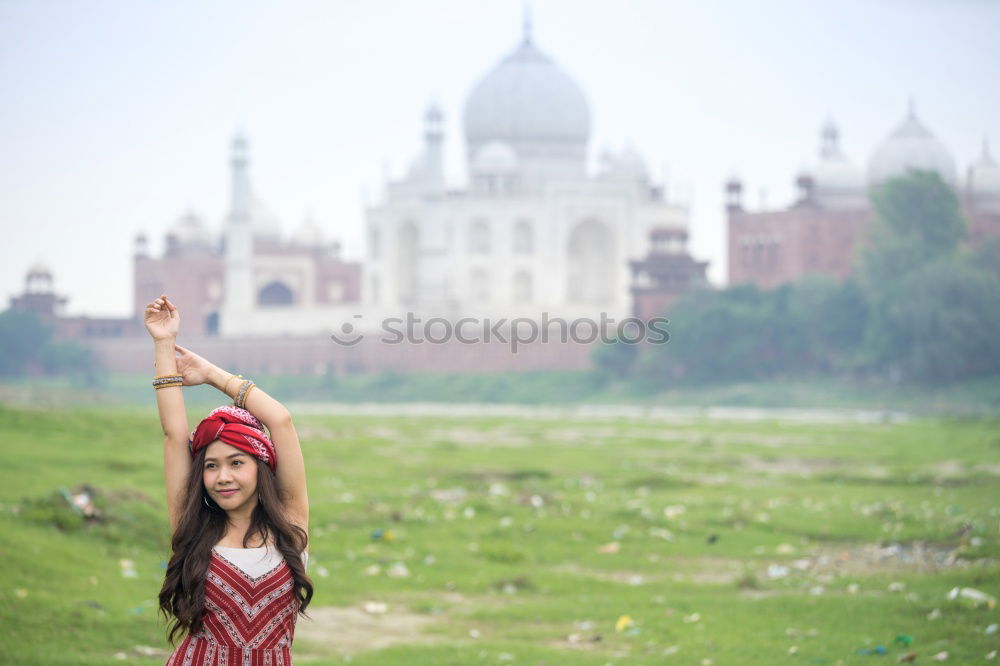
<point>162,319</point>
<point>195,369</point>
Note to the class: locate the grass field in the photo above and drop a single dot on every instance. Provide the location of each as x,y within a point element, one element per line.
<point>527,540</point>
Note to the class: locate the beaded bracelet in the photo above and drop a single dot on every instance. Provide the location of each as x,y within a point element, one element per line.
<point>165,381</point>
<point>241,395</point>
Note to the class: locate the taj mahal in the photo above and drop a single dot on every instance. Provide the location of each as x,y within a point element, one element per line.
<point>533,231</point>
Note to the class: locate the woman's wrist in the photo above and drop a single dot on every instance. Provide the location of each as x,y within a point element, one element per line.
<point>218,377</point>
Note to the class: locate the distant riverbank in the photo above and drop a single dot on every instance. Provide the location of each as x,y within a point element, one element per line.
<point>584,392</point>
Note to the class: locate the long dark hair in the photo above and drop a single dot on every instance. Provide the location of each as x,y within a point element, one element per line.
<point>202,524</point>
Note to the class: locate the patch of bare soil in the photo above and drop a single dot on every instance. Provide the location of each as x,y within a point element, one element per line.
<point>801,467</point>
<point>875,558</point>
<point>478,437</point>
<point>352,629</point>
<point>706,570</point>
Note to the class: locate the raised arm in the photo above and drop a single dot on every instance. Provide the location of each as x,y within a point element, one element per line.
<point>291,469</point>
<point>163,322</point>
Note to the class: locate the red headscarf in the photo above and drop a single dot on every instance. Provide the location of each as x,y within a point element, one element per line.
<point>236,427</point>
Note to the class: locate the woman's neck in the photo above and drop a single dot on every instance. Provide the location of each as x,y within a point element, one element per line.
<point>237,527</point>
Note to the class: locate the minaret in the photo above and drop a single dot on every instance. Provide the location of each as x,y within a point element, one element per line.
<point>239,289</point>
<point>526,24</point>
<point>434,149</point>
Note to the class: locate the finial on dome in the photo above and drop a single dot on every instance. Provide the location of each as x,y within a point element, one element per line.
<point>527,23</point>
<point>830,137</point>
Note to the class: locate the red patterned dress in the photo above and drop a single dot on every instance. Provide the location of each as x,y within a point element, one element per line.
<point>248,621</point>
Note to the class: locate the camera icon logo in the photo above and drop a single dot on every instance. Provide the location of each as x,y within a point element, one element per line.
<point>348,337</point>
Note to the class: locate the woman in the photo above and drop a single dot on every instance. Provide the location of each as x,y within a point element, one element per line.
<point>238,510</point>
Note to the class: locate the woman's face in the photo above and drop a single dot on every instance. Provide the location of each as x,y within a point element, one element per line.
<point>230,476</point>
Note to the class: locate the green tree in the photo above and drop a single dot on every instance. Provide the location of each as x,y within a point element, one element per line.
<point>29,346</point>
<point>917,220</point>
<point>935,310</point>
<point>23,336</point>
<point>714,336</point>
<point>614,360</point>
<point>941,322</point>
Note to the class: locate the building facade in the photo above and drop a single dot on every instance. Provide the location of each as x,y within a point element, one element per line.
<point>535,235</point>
<point>823,230</point>
<point>533,232</point>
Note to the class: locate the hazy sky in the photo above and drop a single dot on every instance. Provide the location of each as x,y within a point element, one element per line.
<point>115,117</point>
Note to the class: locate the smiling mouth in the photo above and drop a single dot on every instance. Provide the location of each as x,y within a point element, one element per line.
<point>226,493</point>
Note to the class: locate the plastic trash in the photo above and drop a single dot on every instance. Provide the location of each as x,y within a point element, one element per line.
<point>777,571</point>
<point>977,597</point>
<point>941,656</point>
<point>908,658</point>
<point>990,656</point>
<point>623,623</point>
<point>128,568</point>
<point>21,593</point>
<point>877,650</point>
<point>375,607</point>
<point>398,570</point>
<point>903,639</point>
<point>991,629</point>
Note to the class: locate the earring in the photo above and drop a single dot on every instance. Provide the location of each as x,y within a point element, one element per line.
<point>204,498</point>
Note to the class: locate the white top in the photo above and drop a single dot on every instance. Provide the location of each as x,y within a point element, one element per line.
<point>255,562</point>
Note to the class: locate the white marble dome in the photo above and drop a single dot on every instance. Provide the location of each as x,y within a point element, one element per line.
<point>495,158</point>
<point>911,147</point>
<point>527,99</point>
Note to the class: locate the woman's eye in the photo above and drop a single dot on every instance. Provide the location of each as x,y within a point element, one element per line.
<point>209,465</point>
<point>237,462</point>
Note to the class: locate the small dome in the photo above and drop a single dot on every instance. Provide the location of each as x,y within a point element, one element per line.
<point>265,223</point>
<point>984,175</point>
<point>626,164</point>
<point>495,158</point>
<point>39,270</point>
<point>527,98</point>
<point>309,234</point>
<point>190,230</point>
<point>984,182</point>
<point>911,147</point>
<point>836,182</point>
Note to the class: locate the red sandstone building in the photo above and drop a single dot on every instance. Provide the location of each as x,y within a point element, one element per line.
<point>821,232</point>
